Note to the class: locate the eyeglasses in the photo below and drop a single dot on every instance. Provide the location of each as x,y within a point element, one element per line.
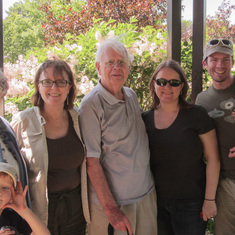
<point>112,63</point>
<point>172,82</point>
<point>224,42</point>
<point>58,83</point>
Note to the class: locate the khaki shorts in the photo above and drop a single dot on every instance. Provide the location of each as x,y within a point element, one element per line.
<point>142,216</point>
<point>225,201</point>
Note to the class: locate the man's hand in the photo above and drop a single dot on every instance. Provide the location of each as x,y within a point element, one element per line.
<point>119,220</point>
<point>231,152</point>
<point>233,113</point>
<point>115,216</point>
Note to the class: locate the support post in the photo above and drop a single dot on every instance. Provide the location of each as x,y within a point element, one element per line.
<point>199,27</point>
<point>174,30</point>
<point>1,53</point>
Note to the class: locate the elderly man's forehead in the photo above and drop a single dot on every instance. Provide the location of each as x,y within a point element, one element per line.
<point>109,52</point>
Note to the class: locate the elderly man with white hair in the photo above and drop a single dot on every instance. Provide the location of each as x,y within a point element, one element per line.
<point>121,190</point>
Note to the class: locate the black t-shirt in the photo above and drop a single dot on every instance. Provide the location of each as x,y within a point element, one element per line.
<point>176,154</point>
<point>10,218</point>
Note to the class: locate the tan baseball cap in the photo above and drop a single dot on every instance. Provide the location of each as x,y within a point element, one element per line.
<point>218,45</point>
<point>11,171</point>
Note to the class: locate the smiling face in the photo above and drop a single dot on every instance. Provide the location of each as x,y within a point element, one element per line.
<point>53,96</point>
<point>219,67</point>
<point>113,70</point>
<point>6,185</point>
<point>168,94</point>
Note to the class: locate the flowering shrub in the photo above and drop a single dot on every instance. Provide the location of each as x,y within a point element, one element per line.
<point>147,47</point>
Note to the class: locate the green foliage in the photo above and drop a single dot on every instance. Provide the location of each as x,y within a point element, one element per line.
<point>147,45</point>
<point>186,62</point>
<point>22,29</point>
<point>210,226</point>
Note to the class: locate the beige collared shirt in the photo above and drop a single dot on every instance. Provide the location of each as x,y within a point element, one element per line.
<point>114,132</point>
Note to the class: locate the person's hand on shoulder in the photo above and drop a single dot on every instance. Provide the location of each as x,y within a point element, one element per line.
<point>231,152</point>
<point>233,114</point>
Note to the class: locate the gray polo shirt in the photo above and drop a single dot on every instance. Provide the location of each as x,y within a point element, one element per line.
<point>114,132</point>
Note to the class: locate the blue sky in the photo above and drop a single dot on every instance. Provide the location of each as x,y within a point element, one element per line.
<point>211,6</point>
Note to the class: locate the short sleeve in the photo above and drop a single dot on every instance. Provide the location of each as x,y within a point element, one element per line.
<point>10,218</point>
<point>90,128</point>
<point>204,123</point>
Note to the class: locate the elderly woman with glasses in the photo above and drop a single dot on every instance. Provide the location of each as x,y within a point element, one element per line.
<point>184,156</point>
<point>49,138</point>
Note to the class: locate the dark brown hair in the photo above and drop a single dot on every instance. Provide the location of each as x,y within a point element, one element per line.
<point>177,68</point>
<point>59,67</point>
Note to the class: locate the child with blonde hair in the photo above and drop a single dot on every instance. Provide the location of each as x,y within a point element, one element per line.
<point>14,212</point>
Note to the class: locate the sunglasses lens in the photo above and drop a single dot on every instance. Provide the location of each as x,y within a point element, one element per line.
<point>226,42</point>
<point>161,82</point>
<point>174,82</point>
<point>213,42</point>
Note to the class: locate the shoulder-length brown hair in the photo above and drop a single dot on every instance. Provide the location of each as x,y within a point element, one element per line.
<point>59,67</point>
<point>177,68</point>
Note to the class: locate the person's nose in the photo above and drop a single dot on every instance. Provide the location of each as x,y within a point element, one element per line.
<point>220,63</point>
<point>54,86</point>
<point>167,85</point>
<point>116,65</point>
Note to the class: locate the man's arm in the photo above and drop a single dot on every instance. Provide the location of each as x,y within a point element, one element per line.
<point>115,216</point>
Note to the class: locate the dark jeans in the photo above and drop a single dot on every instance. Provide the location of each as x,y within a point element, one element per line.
<point>65,215</point>
<point>180,218</point>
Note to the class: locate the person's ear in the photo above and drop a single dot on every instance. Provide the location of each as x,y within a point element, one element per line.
<point>204,63</point>
<point>182,85</point>
<point>97,65</point>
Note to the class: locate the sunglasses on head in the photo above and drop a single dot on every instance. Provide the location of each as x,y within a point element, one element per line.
<point>172,82</point>
<point>224,42</point>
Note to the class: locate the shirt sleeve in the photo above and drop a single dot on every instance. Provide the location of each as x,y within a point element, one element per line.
<point>204,123</point>
<point>13,219</point>
<point>24,227</point>
<point>90,128</point>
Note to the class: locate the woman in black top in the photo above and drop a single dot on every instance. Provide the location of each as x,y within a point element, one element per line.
<point>180,136</point>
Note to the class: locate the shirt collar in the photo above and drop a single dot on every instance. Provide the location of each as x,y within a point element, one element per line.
<point>108,97</point>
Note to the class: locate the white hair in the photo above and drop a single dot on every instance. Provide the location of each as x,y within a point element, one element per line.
<point>116,45</point>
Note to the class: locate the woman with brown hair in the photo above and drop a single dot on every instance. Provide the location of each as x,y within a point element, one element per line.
<point>49,138</point>
<point>180,136</point>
